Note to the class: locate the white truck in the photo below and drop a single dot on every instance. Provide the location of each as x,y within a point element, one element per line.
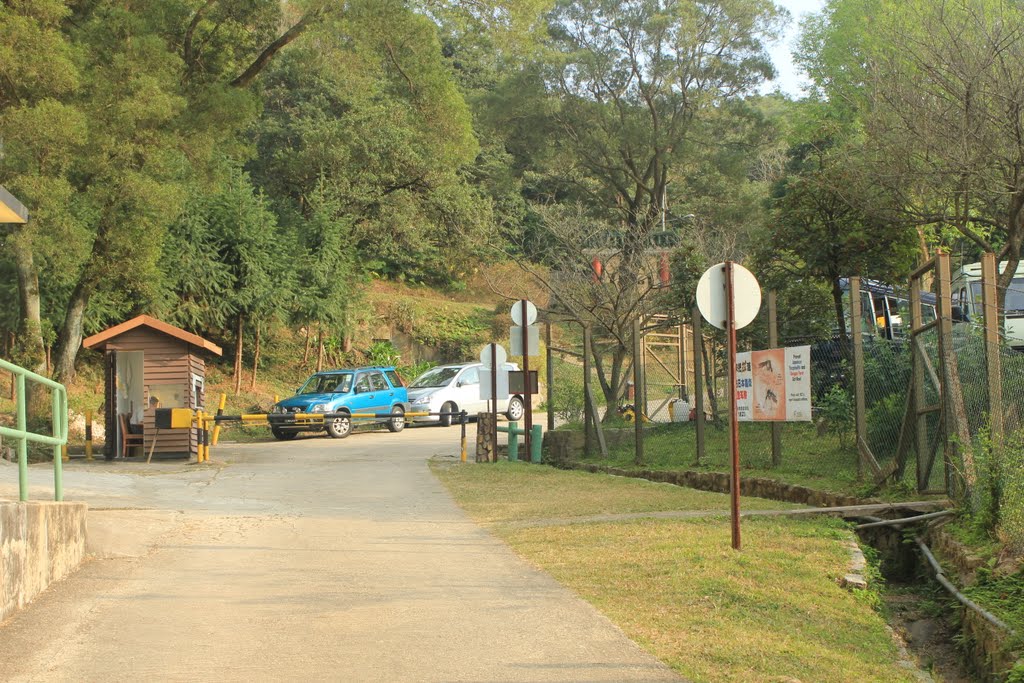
<point>967,300</point>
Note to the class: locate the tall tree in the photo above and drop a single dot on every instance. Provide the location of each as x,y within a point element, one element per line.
<point>629,90</point>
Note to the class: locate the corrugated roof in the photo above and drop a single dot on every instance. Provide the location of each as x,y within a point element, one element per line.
<point>99,340</point>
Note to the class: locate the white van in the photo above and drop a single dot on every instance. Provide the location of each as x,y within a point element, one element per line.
<point>453,388</point>
<point>967,298</point>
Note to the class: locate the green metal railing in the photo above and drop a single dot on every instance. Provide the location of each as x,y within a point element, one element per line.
<point>22,436</point>
<point>514,432</point>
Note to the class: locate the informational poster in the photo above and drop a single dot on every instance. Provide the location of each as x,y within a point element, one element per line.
<point>774,385</point>
<point>743,387</point>
<point>798,384</point>
<point>769,385</point>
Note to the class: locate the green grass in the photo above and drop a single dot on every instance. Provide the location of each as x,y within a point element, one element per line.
<point>808,459</point>
<point>772,612</point>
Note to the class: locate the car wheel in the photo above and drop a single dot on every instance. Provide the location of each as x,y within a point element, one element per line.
<point>282,435</point>
<point>446,420</point>
<point>397,421</point>
<point>516,409</point>
<point>339,427</point>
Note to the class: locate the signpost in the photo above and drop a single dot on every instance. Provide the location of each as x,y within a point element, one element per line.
<point>729,298</point>
<point>493,357</point>
<point>524,314</point>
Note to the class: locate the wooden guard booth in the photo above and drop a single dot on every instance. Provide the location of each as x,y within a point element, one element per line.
<point>148,365</point>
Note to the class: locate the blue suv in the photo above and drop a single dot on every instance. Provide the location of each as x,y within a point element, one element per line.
<point>342,393</point>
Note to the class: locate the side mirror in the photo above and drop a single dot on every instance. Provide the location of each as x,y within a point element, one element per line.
<point>458,384</point>
<point>298,390</point>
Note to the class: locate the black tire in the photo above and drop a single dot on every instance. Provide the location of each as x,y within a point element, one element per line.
<point>396,423</point>
<point>282,435</point>
<point>339,427</point>
<point>446,420</point>
<point>516,409</point>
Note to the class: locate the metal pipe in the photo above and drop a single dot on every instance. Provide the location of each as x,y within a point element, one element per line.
<point>963,599</point>
<point>734,427</point>
<point>905,520</point>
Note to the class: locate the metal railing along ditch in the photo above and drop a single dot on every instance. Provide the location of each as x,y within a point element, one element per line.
<point>20,434</point>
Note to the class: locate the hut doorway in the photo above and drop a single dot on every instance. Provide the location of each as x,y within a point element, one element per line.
<point>131,395</point>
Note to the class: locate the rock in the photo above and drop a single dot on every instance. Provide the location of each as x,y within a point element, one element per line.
<point>852,581</point>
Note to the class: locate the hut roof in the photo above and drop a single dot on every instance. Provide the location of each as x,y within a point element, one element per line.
<point>99,340</point>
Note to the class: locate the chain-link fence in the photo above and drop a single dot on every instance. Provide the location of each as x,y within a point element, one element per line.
<point>928,419</point>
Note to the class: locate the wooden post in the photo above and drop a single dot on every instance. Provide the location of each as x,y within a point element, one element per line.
<point>920,401</point>
<point>773,342</point>
<point>859,410</point>
<point>698,380</point>
<point>551,376</point>
<point>954,410</point>
<point>993,361</point>
<point>486,438</point>
<point>589,416</point>
<point>638,422</point>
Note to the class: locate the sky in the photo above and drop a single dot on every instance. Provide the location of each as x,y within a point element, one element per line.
<point>790,80</point>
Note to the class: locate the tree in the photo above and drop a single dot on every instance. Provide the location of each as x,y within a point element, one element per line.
<point>827,223</point>
<point>625,105</point>
<point>941,107</point>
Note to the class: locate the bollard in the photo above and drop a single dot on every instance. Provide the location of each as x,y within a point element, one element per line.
<point>64,453</point>
<point>206,440</point>
<point>513,441</point>
<point>463,419</point>
<point>536,444</point>
<point>200,455</point>
<point>88,435</point>
<point>220,411</point>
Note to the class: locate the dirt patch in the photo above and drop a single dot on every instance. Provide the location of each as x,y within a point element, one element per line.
<point>916,616</point>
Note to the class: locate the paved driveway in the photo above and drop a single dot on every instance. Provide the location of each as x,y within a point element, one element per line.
<point>314,560</point>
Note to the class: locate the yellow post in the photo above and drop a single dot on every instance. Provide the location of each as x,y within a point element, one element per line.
<point>64,453</point>
<point>276,398</point>
<point>88,435</point>
<point>220,411</point>
<point>200,450</point>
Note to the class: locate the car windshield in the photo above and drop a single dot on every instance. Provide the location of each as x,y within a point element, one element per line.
<point>438,377</point>
<point>337,383</point>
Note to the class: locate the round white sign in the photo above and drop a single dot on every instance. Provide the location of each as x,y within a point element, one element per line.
<point>517,313</point>
<point>500,355</point>
<point>711,296</point>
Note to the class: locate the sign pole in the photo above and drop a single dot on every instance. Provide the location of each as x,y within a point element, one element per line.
<point>494,402</point>
<point>730,323</point>
<point>527,388</point>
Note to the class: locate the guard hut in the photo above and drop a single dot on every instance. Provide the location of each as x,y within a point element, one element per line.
<point>150,364</point>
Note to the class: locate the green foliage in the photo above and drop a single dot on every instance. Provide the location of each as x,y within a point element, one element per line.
<point>884,420</point>
<point>835,414</point>
<point>383,353</point>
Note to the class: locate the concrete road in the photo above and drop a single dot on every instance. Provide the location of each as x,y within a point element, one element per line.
<point>314,560</point>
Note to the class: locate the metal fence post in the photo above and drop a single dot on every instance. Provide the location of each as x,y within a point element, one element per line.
<point>588,414</point>
<point>698,380</point>
<point>513,440</point>
<point>551,377</point>
<point>638,420</point>
<point>773,342</point>
<point>60,416</point>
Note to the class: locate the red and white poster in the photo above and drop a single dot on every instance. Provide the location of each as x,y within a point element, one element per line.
<point>774,385</point>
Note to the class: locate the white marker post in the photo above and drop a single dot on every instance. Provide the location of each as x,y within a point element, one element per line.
<point>729,298</point>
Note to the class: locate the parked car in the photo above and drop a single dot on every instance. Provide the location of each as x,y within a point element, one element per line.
<point>453,388</point>
<point>358,390</point>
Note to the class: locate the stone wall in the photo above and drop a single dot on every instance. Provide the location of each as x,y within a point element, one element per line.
<point>39,543</point>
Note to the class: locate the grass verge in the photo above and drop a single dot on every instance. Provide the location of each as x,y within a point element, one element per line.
<point>772,612</point>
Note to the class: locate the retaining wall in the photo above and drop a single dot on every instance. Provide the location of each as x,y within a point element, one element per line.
<point>39,543</point>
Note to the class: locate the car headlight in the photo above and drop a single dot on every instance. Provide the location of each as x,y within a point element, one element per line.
<point>277,410</point>
<point>318,408</point>
<point>421,400</point>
